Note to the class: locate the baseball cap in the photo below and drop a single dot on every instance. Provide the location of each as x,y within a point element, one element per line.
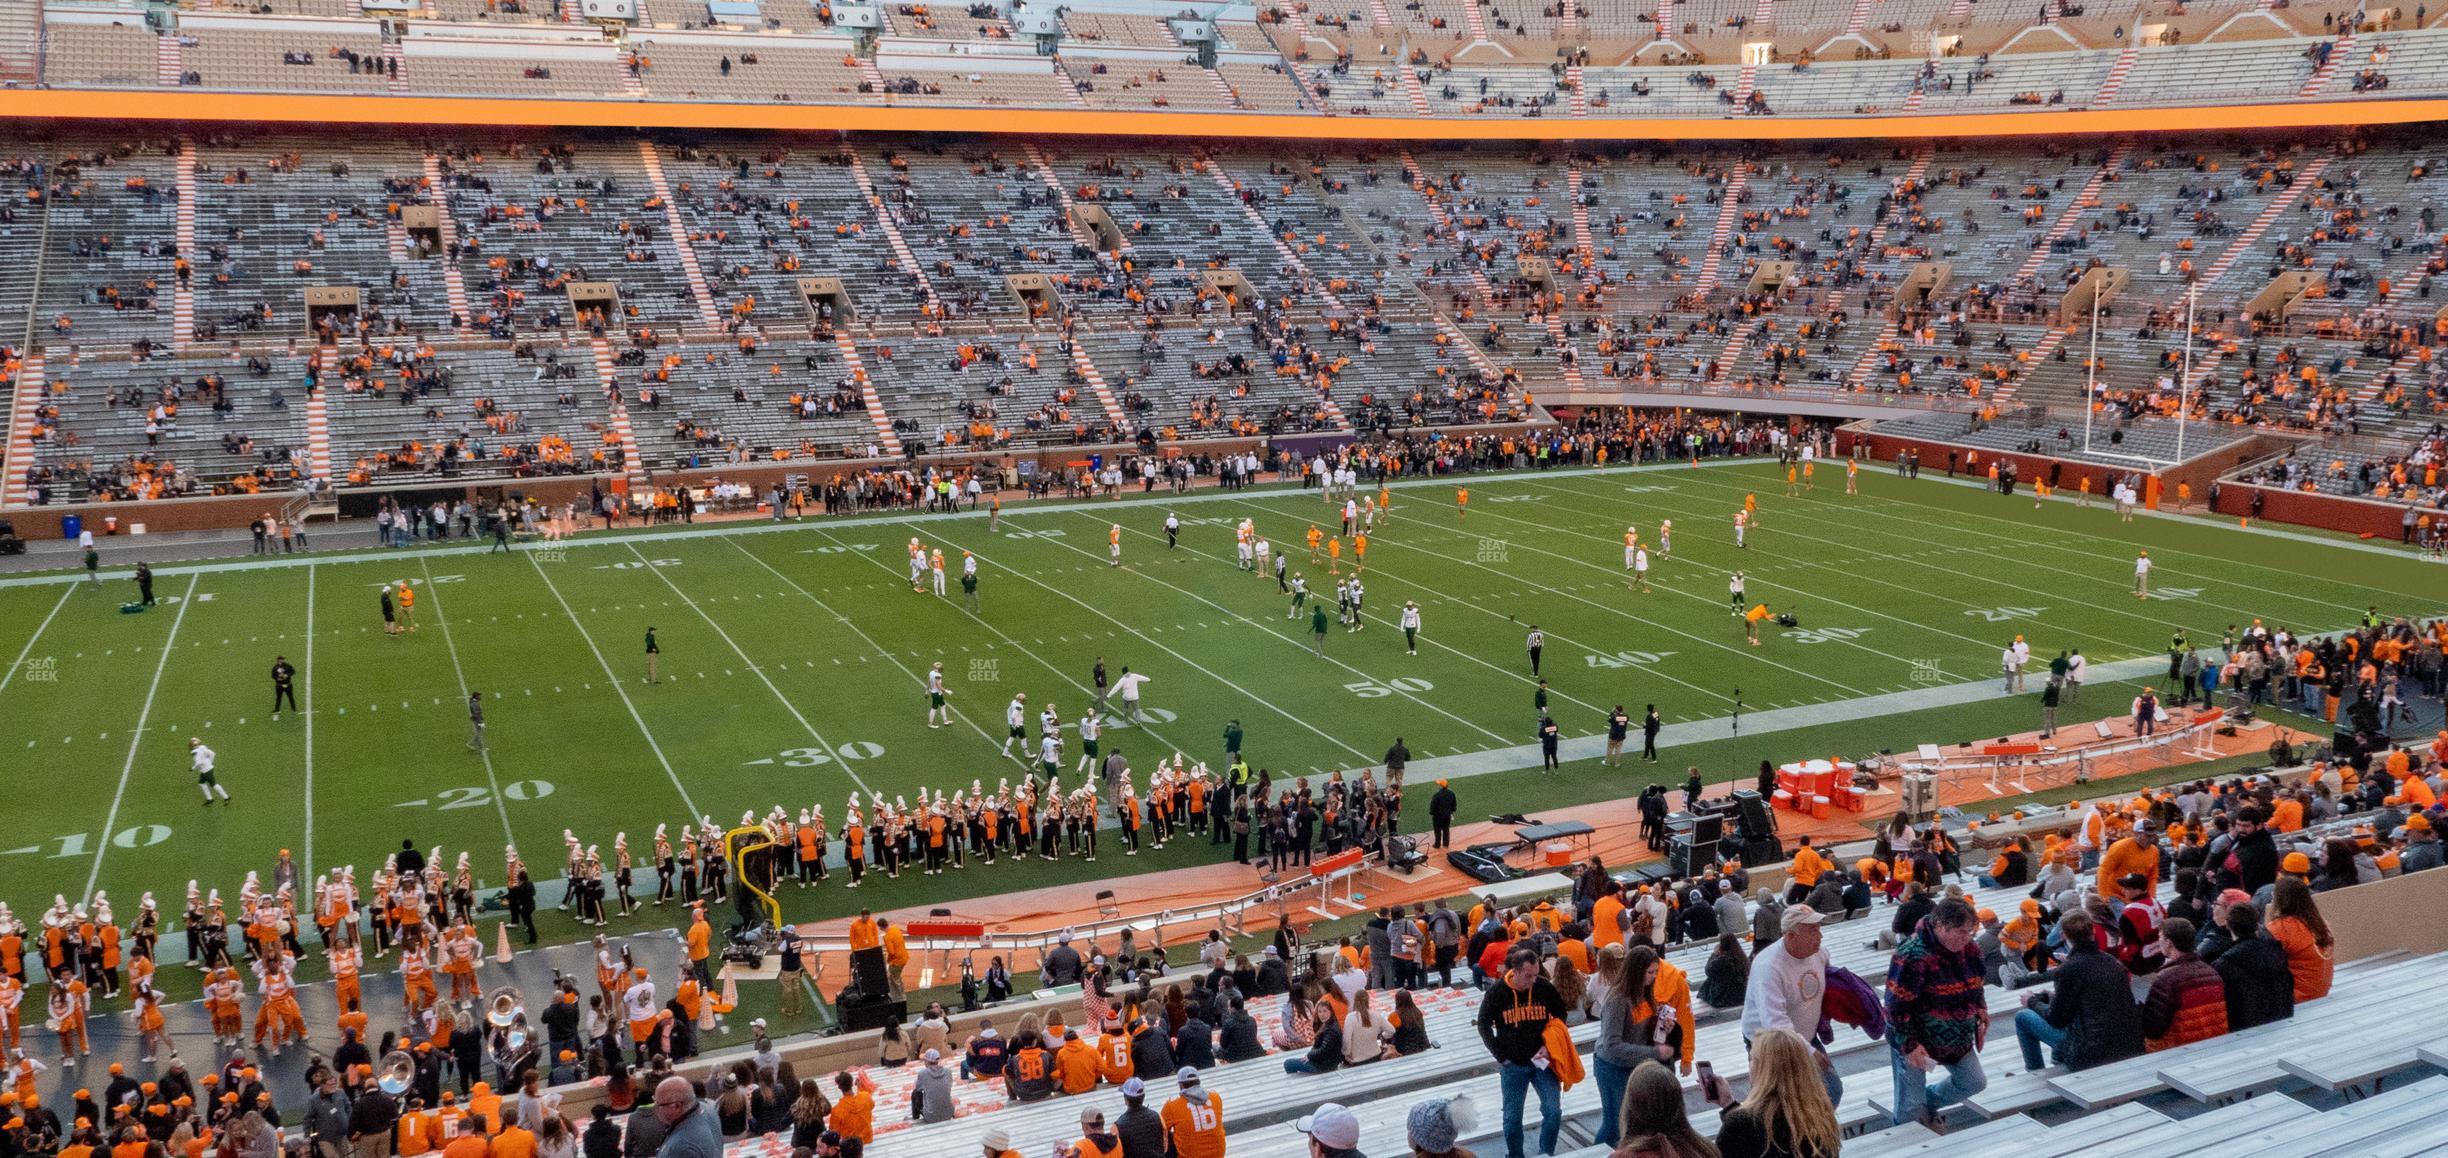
<point>936,1055</point>
<point>1188,1076</point>
<point>997,1140</point>
<point>1131,1087</point>
<point>1333,1126</point>
<point>1797,916</point>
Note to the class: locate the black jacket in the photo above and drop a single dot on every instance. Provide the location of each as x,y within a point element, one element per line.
<point>1441,806</point>
<point>1272,978</point>
<point>1240,1038</point>
<point>2256,858</point>
<point>1193,1044</point>
<point>1142,1133</point>
<point>2260,987</point>
<point>1151,1053</point>
<point>2094,1004</point>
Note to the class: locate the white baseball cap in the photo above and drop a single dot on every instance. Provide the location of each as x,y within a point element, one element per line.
<point>1333,1126</point>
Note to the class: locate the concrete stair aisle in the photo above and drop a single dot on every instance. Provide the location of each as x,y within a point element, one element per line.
<point>678,228</point>
<point>2042,351</point>
<point>1873,246</point>
<point>1747,81</point>
<point>1859,18</point>
<point>182,296</point>
<point>1665,25</point>
<point>1291,260</point>
<point>1223,88</point>
<point>1415,93</point>
<point>1475,20</point>
<point>2115,80</point>
<point>2321,76</point>
<point>1379,15</point>
<point>1584,249</point>
<point>395,242</point>
<point>2403,368</point>
<point>873,76</point>
<point>633,463</point>
<point>1071,89</point>
<point>885,436</point>
<point>1444,220</point>
<point>168,62</point>
<point>1889,330</point>
<point>1731,356</point>
<point>892,233</point>
<point>1954,16</point>
<point>1576,100</point>
<point>645,18</point>
<point>2305,178</point>
<point>395,67</point>
<point>2084,198</point>
<point>632,85</point>
<point>20,457</point>
<point>1045,172</point>
<point>318,437</point>
<point>1096,385</point>
<point>454,287</point>
<point>1729,211</point>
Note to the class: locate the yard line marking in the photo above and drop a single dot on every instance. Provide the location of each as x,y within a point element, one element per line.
<point>308,711</point>
<point>10,675</point>
<point>110,823</point>
<point>2121,583</point>
<point>2256,529</point>
<point>759,672</point>
<point>1805,562</point>
<point>1202,669</point>
<point>846,621</point>
<point>1694,595</point>
<point>617,689</point>
<point>1294,640</point>
<point>1024,649</point>
<point>433,591</point>
<point>1440,644</point>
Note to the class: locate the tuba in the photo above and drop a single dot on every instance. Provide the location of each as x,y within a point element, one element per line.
<point>398,1072</point>
<point>504,1011</point>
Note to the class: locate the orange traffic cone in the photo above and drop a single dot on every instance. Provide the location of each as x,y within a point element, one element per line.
<point>501,944</point>
<point>730,994</point>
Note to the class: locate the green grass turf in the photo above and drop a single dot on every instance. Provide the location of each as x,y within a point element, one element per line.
<point>793,659</point>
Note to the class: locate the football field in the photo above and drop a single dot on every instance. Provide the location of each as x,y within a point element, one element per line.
<point>794,656</point>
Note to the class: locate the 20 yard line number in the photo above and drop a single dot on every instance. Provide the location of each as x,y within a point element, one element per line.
<point>1373,690</point>
<point>478,796</point>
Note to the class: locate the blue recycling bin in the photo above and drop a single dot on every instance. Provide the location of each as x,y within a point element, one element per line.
<point>71,526</point>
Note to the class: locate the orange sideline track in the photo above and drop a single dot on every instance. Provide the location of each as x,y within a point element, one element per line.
<point>161,105</point>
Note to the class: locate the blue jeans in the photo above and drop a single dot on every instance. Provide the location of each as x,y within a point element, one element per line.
<point>1610,1078</point>
<point>1518,1081</point>
<point>1300,1065</point>
<point>1914,1095</point>
<point>2033,1031</point>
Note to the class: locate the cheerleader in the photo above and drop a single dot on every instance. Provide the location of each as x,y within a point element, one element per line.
<point>152,1032</point>
<point>623,873</point>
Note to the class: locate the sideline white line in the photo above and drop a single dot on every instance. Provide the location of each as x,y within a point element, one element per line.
<point>308,711</point>
<point>852,624</point>
<point>623,538</point>
<point>617,688</point>
<point>758,670</point>
<point>110,823</point>
<point>433,591</point>
<point>1268,626</point>
<point>10,676</point>
<point>1194,665</point>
